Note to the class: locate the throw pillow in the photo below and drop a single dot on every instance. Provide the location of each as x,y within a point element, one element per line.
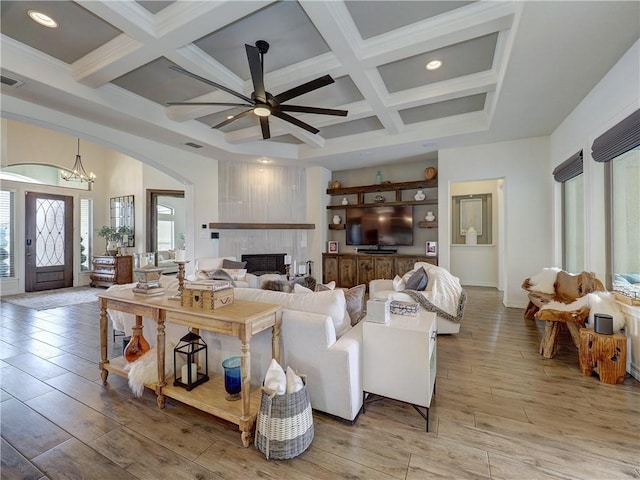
<point>417,281</point>
<point>236,273</point>
<point>354,298</point>
<point>297,288</point>
<point>324,287</point>
<point>275,378</point>
<point>226,263</point>
<point>294,382</point>
<point>218,274</point>
<point>307,282</point>
<point>398,283</point>
<point>276,286</point>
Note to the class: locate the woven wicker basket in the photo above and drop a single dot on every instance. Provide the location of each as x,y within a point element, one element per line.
<point>284,427</point>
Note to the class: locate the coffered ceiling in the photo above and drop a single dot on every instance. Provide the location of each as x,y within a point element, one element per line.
<point>509,70</point>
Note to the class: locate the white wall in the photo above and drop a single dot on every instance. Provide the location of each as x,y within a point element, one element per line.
<point>615,97</point>
<point>110,154</point>
<point>524,166</point>
<point>478,264</point>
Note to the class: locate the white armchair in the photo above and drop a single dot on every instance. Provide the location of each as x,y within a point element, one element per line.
<point>443,290</point>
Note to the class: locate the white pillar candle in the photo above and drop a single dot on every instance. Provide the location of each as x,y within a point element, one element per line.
<point>302,269</point>
<point>185,373</point>
<point>181,255</point>
<point>287,259</point>
<point>294,268</point>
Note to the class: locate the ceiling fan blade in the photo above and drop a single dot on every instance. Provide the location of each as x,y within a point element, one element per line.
<point>233,119</point>
<point>264,124</point>
<point>257,74</point>
<point>223,104</point>
<point>181,70</point>
<point>304,88</point>
<point>319,111</point>
<point>295,121</point>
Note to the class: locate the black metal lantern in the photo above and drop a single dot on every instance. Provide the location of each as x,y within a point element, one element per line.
<point>188,349</point>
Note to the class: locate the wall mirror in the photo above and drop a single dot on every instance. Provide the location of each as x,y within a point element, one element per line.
<point>471,211</point>
<point>122,214</point>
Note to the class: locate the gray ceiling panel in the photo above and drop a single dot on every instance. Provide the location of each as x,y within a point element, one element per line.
<point>457,106</point>
<point>375,17</point>
<point>351,128</point>
<point>154,6</point>
<point>287,139</point>
<point>78,33</point>
<point>291,36</point>
<point>460,59</point>
<point>157,82</point>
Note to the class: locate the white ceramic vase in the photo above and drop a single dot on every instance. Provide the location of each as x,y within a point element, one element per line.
<point>430,217</point>
<point>345,201</point>
<point>419,196</point>
<point>337,220</point>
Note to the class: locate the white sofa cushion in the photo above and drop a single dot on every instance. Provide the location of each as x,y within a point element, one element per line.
<point>330,303</point>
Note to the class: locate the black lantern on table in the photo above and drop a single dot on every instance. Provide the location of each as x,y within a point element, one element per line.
<point>188,348</point>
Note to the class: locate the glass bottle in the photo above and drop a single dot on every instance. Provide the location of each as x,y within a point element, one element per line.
<point>137,346</point>
<point>378,178</point>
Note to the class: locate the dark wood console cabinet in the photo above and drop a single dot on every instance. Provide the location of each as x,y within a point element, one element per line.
<point>109,270</point>
<point>350,269</point>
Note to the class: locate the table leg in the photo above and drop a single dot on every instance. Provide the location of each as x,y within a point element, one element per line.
<point>245,372</point>
<point>104,373</point>
<point>160,343</point>
<point>275,336</point>
<point>549,342</point>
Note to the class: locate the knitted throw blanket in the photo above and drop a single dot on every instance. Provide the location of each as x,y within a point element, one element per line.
<point>430,307</point>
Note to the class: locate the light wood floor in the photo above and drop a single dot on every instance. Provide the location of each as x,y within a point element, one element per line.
<point>501,411</point>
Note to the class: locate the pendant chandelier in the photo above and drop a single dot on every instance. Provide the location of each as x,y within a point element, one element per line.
<point>78,173</point>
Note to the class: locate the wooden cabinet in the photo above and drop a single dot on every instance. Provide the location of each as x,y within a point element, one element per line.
<point>109,270</point>
<point>350,269</point>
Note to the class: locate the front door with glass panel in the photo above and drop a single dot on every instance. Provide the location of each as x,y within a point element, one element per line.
<point>48,241</point>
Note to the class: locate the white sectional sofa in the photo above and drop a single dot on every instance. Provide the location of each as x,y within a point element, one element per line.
<point>317,340</point>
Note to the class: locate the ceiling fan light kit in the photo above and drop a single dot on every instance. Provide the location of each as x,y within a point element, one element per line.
<point>262,103</point>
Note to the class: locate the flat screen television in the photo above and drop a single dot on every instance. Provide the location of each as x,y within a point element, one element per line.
<point>380,225</point>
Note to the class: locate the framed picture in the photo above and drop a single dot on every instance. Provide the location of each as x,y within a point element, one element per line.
<point>432,249</point>
<point>471,215</point>
<point>332,247</point>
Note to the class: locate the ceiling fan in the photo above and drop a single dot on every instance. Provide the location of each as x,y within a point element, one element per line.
<point>262,103</point>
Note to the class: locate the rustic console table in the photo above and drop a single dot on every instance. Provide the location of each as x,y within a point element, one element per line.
<point>241,319</point>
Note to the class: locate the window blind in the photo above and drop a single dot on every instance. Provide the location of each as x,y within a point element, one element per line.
<point>617,140</point>
<point>570,168</point>
<point>7,210</point>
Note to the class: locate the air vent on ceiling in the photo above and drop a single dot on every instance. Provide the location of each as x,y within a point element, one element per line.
<point>10,81</point>
<point>193,145</point>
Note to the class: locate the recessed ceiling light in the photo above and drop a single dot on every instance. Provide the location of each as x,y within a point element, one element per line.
<point>433,65</point>
<point>229,117</point>
<point>264,160</point>
<point>42,19</point>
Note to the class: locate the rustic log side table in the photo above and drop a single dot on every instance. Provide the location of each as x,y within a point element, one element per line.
<point>604,354</point>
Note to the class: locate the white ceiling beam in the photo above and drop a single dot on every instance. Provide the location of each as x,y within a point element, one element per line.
<point>333,21</point>
<point>175,26</point>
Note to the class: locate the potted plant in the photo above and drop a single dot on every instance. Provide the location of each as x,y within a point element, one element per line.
<point>109,234</point>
